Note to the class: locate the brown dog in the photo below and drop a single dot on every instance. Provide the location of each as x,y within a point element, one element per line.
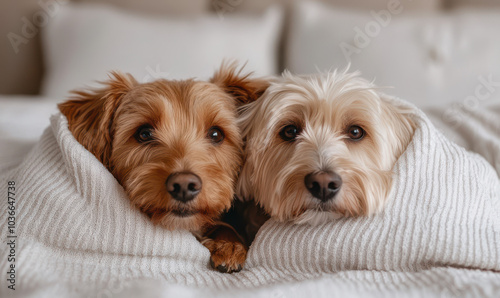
<point>174,146</point>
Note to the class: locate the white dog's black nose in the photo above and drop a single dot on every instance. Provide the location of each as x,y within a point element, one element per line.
<point>323,185</point>
<point>183,186</point>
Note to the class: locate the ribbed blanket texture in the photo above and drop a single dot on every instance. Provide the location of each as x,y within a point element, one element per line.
<point>78,236</point>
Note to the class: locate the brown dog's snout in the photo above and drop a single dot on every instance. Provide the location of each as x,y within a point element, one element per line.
<point>323,185</point>
<point>183,186</point>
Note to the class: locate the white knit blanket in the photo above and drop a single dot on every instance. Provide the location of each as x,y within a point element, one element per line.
<point>78,236</point>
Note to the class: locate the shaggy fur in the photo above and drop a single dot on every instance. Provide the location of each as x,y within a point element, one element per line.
<point>324,108</point>
<point>180,115</point>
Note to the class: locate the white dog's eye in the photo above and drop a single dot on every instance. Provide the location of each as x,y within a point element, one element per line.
<point>289,133</point>
<point>356,133</point>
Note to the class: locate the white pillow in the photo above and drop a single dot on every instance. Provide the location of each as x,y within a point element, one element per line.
<point>428,59</point>
<point>84,42</point>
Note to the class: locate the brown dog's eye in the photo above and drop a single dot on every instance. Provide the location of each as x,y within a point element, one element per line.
<point>289,133</point>
<point>215,134</point>
<point>356,133</point>
<point>144,133</point>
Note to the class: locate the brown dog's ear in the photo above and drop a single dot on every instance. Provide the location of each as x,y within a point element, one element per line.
<point>240,86</point>
<point>90,114</point>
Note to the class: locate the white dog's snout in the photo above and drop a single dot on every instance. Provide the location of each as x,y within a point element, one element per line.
<point>323,147</point>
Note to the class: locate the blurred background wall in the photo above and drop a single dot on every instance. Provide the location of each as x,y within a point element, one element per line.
<point>22,72</point>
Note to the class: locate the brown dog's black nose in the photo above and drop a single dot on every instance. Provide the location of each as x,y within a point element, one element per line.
<point>323,185</point>
<point>183,186</point>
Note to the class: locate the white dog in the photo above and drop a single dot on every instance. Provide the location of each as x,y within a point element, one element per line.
<point>321,146</point>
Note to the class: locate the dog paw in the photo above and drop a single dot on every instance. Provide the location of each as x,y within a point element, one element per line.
<point>226,256</point>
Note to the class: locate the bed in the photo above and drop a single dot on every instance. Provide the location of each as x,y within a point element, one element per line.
<point>71,253</point>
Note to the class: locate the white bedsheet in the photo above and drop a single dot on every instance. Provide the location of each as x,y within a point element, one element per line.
<point>476,129</point>
<point>22,121</point>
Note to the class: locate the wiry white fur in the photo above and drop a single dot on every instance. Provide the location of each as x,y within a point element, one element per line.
<point>324,105</point>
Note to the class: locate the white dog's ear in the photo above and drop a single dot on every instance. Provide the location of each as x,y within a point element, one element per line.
<point>246,120</point>
<point>400,117</point>
<point>244,185</point>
